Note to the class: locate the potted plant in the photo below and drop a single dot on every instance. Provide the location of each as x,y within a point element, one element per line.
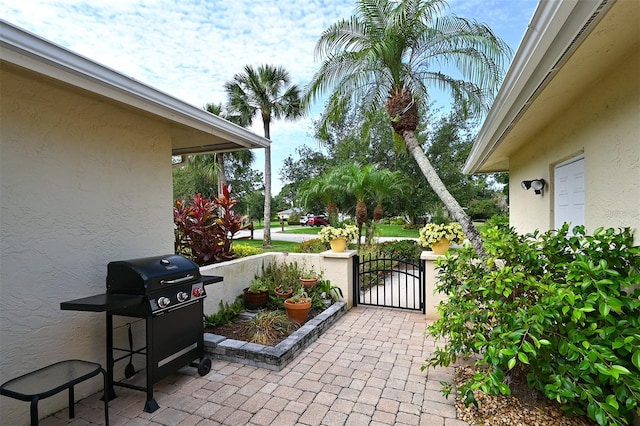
<point>438,236</point>
<point>309,279</point>
<point>298,306</point>
<point>282,292</point>
<point>338,237</point>
<point>256,295</point>
<point>329,293</point>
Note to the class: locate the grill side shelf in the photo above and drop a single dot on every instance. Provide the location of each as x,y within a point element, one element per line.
<point>102,302</point>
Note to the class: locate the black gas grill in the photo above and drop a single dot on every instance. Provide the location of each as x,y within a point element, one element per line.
<point>168,292</point>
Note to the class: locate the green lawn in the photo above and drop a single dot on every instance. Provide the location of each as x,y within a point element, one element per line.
<point>395,231</point>
<point>297,229</point>
<point>381,230</point>
<point>278,246</point>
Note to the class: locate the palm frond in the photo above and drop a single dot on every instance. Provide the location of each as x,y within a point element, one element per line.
<point>390,47</point>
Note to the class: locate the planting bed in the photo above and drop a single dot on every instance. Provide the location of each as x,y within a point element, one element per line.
<point>273,357</point>
<point>526,407</point>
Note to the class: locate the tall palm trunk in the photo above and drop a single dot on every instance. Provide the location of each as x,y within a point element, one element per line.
<point>222,177</point>
<point>266,239</point>
<point>361,217</point>
<point>332,209</point>
<point>378,212</point>
<point>441,191</point>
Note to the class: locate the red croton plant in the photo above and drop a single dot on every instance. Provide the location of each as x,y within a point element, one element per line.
<point>205,229</point>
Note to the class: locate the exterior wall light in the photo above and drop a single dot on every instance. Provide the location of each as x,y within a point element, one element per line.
<point>536,184</point>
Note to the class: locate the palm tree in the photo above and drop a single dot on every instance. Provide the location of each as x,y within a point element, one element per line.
<point>389,53</point>
<point>356,180</point>
<point>326,187</point>
<point>266,91</point>
<point>383,183</point>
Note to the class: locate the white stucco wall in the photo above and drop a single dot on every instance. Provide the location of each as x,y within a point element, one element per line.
<point>83,182</point>
<point>237,274</point>
<point>603,124</point>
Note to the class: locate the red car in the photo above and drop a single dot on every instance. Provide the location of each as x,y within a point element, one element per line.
<point>318,221</point>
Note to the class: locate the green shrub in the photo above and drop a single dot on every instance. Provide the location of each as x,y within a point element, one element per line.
<point>412,226</point>
<point>499,220</point>
<point>294,219</point>
<point>281,273</point>
<point>407,250</point>
<point>311,246</point>
<point>226,313</point>
<point>483,209</point>
<point>240,250</point>
<point>562,309</point>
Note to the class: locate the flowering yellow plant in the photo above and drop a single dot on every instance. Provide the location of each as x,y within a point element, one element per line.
<point>328,233</point>
<point>432,233</point>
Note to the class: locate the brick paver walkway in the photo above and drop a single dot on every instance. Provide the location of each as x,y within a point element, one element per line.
<point>364,370</point>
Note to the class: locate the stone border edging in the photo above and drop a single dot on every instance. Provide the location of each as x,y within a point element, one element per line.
<point>273,357</point>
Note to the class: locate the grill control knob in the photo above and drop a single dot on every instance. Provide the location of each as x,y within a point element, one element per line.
<point>198,291</point>
<point>163,302</point>
<point>182,296</point>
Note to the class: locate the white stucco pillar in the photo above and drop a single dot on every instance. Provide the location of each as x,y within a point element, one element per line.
<point>338,268</point>
<point>432,299</point>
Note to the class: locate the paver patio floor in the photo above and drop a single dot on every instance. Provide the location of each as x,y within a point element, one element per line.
<point>364,370</point>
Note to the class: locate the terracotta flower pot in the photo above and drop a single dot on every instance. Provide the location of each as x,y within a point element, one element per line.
<point>308,283</point>
<point>298,312</point>
<point>283,294</point>
<point>254,301</point>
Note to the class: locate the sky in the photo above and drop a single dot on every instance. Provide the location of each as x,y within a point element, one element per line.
<point>190,48</point>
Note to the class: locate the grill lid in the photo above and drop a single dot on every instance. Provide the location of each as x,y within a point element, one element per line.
<point>148,274</point>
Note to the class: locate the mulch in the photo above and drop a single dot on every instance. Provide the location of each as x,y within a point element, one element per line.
<point>237,330</point>
<point>525,407</point>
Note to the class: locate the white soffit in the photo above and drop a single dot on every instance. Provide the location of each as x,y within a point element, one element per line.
<point>556,30</point>
<point>193,130</point>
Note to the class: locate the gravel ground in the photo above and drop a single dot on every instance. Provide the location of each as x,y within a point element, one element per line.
<point>521,409</point>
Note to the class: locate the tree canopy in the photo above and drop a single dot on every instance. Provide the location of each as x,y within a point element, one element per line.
<point>390,53</point>
<point>265,91</point>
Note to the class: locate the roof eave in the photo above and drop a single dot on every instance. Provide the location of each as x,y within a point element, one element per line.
<point>36,54</point>
<point>555,30</point>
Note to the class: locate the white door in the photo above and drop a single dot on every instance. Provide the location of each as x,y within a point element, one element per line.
<point>569,193</point>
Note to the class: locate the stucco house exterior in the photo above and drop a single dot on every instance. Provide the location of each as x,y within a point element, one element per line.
<point>85,172</point>
<point>568,112</point>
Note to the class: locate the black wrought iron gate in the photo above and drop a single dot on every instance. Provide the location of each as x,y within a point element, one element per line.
<point>389,282</point>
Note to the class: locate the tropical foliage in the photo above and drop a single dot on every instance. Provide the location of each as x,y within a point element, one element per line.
<point>561,309</point>
<point>265,91</point>
<point>390,52</point>
<point>204,229</point>
<point>205,173</point>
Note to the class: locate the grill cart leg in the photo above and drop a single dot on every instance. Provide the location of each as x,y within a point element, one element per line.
<point>151,405</point>
<point>109,391</point>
